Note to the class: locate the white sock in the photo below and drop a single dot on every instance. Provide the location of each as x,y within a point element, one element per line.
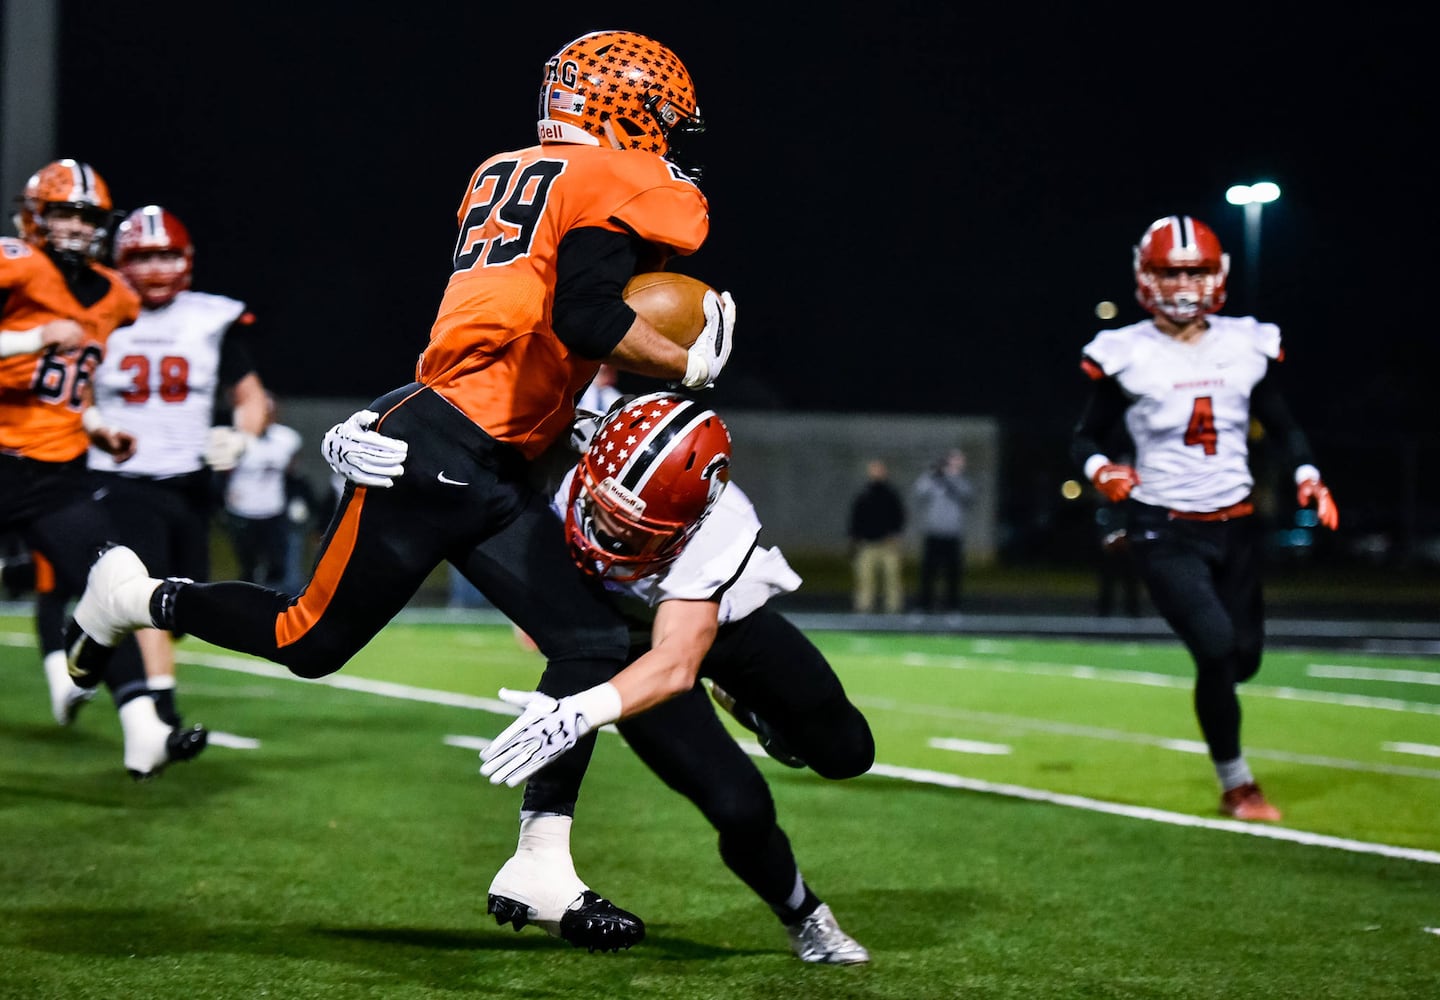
<point>138,714</point>
<point>1233,773</point>
<point>544,833</point>
<point>133,600</point>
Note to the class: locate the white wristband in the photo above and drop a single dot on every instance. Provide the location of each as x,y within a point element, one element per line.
<point>600,704</point>
<point>13,342</point>
<point>93,422</point>
<point>1092,465</point>
<point>697,371</point>
<point>1305,472</point>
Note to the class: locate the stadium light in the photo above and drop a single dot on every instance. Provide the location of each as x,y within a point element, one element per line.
<point>1253,198</point>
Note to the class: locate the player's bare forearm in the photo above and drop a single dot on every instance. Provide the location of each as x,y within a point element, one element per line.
<point>646,351</point>
<point>682,635</point>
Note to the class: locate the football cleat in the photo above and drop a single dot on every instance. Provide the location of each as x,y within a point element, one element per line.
<point>818,938</point>
<point>768,739</point>
<point>151,745</point>
<point>1247,802</point>
<point>524,892</point>
<point>66,697</point>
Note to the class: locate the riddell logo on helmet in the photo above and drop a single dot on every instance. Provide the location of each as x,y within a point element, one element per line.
<point>612,490</point>
<point>1186,255</point>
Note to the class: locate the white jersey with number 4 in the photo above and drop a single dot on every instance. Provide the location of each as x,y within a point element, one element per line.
<point>158,381</point>
<point>1190,406</point>
<point>721,561</point>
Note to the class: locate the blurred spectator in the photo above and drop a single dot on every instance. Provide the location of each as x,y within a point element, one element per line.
<point>877,517</point>
<point>943,495</point>
<point>257,506</point>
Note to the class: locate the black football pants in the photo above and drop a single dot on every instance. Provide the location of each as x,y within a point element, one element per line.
<point>54,509</point>
<point>1204,579</point>
<point>768,665</point>
<point>462,498</point>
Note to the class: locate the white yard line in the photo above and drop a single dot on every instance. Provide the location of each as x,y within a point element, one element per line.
<point>1083,671</point>
<point>1336,671</point>
<point>1155,815</point>
<point>1418,749</point>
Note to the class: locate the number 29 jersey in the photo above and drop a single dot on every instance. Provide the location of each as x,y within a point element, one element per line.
<point>493,352</point>
<point>1189,412</point>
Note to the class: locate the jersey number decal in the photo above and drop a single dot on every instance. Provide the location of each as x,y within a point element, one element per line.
<point>516,205</point>
<point>59,379</point>
<point>1201,429</point>
<point>174,378</point>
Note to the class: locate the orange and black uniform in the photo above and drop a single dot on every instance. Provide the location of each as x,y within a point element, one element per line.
<point>46,492</point>
<point>548,236</point>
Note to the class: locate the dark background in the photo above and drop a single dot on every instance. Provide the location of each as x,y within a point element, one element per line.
<point>916,207</point>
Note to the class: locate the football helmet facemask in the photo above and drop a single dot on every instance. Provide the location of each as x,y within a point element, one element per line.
<point>641,490</point>
<point>154,252</point>
<point>1170,248</point>
<point>623,90</point>
<point>70,190</point>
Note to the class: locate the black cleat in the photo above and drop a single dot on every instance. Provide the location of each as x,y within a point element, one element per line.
<point>600,925</point>
<point>592,921</point>
<point>508,911</point>
<point>180,745</point>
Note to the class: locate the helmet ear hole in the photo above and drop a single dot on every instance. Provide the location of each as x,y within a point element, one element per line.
<point>630,127</point>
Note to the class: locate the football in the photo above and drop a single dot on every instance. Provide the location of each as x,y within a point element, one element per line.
<point>672,303</point>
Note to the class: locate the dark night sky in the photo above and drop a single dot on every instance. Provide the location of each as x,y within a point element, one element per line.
<point>916,208</point>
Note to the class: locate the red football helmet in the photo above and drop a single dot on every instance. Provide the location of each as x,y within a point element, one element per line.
<point>623,90</point>
<point>1171,246</point>
<point>153,250</point>
<point>67,185</point>
<point>650,475</point>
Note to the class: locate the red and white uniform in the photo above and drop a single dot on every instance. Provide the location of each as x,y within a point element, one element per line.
<point>722,559</point>
<point>159,381</point>
<point>1190,415</point>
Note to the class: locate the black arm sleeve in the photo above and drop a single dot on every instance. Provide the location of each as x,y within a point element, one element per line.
<point>236,361</point>
<point>1103,411</point>
<point>1267,405</point>
<point>591,269</point>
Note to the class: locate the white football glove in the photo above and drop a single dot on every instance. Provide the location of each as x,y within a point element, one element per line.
<point>223,448</point>
<point>363,456</point>
<point>712,348</point>
<point>546,729</point>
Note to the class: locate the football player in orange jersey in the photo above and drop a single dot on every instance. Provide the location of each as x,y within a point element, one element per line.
<point>58,307</point>
<point>547,238</point>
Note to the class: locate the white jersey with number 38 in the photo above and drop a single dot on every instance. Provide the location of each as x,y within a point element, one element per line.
<point>1190,406</point>
<point>158,381</point>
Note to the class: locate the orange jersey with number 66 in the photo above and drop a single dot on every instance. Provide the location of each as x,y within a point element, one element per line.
<point>42,394</point>
<point>493,352</point>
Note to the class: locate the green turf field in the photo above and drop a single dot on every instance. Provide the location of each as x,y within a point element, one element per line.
<point>1040,823</point>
